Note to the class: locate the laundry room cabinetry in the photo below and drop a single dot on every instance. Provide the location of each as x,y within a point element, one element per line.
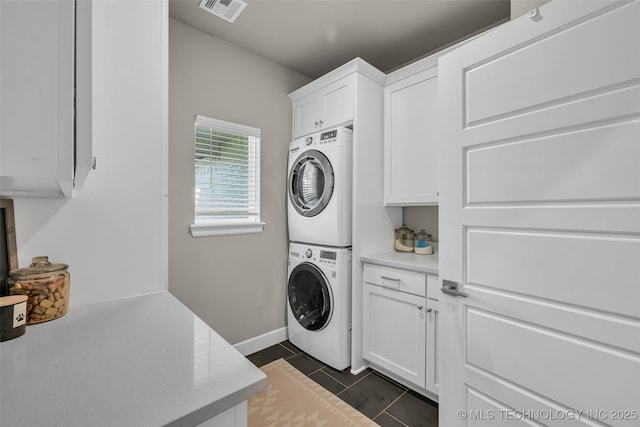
<point>399,326</point>
<point>352,96</point>
<point>410,135</point>
<point>45,110</point>
<point>327,107</point>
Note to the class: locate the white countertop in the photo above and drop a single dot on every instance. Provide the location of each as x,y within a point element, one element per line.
<point>138,361</point>
<point>405,260</point>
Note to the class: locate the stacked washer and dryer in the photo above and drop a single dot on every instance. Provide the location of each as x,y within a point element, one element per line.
<point>319,273</point>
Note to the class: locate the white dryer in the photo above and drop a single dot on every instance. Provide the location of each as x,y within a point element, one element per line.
<point>319,188</point>
<point>319,302</point>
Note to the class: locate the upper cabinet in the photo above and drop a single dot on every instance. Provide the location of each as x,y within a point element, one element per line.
<point>327,107</point>
<point>410,135</point>
<point>45,108</point>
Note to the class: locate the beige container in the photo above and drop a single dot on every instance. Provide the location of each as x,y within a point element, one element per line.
<point>404,239</point>
<point>46,286</point>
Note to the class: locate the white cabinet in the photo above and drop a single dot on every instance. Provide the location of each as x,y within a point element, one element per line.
<point>327,107</point>
<point>399,327</point>
<point>432,362</point>
<point>43,141</point>
<point>410,137</point>
<point>394,332</point>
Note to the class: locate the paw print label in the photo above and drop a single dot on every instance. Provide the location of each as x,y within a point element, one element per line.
<point>19,314</point>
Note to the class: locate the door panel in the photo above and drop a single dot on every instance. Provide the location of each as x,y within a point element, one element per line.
<point>540,218</point>
<point>551,70</point>
<point>577,269</point>
<point>552,363</point>
<point>523,172</point>
<point>485,411</point>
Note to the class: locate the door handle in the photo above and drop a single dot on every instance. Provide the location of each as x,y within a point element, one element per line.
<point>451,288</point>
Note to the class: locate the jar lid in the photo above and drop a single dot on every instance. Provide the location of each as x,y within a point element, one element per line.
<point>39,265</point>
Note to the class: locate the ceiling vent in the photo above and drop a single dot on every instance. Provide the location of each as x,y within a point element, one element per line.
<point>225,9</point>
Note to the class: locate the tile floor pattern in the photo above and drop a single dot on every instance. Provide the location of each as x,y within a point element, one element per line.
<point>384,401</point>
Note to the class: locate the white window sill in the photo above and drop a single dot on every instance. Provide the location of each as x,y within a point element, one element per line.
<point>225,229</point>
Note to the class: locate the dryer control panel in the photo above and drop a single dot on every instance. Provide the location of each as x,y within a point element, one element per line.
<point>329,136</point>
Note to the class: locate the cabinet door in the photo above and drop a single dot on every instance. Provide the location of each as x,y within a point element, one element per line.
<point>411,156</point>
<point>328,107</point>
<point>432,347</point>
<point>37,85</point>
<point>394,332</point>
<point>337,102</point>
<point>305,116</point>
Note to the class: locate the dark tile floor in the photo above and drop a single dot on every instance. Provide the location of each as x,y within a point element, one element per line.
<point>386,402</point>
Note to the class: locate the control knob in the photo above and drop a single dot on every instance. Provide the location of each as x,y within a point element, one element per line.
<point>308,253</point>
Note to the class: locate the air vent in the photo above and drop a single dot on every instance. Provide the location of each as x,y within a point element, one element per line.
<point>225,9</point>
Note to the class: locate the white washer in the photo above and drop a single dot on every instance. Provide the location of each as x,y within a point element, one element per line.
<point>319,188</point>
<point>319,302</point>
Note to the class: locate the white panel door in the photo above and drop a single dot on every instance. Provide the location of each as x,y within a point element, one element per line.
<point>540,220</point>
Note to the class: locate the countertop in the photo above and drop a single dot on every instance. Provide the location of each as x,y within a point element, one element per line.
<point>138,361</point>
<point>406,260</point>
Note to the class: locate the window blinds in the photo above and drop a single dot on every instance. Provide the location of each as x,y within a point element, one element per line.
<point>227,179</point>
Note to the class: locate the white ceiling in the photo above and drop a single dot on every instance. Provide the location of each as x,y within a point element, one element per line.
<point>315,36</point>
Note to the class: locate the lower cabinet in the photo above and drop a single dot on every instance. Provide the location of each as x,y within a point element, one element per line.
<point>432,362</point>
<point>400,326</point>
<point>395,332</point>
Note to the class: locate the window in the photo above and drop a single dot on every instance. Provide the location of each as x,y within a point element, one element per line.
<point>227,178</point>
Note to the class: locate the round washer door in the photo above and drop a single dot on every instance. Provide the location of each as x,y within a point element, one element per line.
<point>309,296</point>
<point>311,183</point>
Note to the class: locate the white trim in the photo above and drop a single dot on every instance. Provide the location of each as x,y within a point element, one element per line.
<point>225,229</point>
<point>361,369</point>
<point>261,342</point>
<point>164,202</point>
<point>230,127</point>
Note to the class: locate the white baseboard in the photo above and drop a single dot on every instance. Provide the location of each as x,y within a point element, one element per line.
<point>261,342</point>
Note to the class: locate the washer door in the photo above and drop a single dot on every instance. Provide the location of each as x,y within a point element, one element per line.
<point>311,183</point>
<point>309,296</point>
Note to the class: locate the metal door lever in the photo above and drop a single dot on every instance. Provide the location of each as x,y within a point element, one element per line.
<point>451,288</point>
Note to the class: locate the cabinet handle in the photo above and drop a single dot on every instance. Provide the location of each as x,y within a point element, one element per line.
<point>429,310</point>
<point>420,307</point>
<point>394,286</point>
<point>321,123</point>
<point>315,125</point>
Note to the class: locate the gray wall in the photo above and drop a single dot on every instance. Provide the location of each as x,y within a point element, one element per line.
<point>422,217</point>
<point>236,284</point>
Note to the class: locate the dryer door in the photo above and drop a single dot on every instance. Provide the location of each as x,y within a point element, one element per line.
<point>310,183</point>
<point>309,296</point>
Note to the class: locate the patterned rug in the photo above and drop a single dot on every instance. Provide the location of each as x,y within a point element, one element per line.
<point>293,400</point>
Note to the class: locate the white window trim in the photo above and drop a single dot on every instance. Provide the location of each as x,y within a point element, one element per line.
<point>210,228</point>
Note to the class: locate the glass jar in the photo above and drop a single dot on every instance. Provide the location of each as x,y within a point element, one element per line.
<point>404,239</point>
<point>46,286</point>
<point>423,243</point>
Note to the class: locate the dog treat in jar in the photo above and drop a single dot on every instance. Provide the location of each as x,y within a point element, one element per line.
<point>46,286</point>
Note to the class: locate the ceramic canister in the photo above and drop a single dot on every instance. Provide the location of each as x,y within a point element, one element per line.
<point>13,316</point>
